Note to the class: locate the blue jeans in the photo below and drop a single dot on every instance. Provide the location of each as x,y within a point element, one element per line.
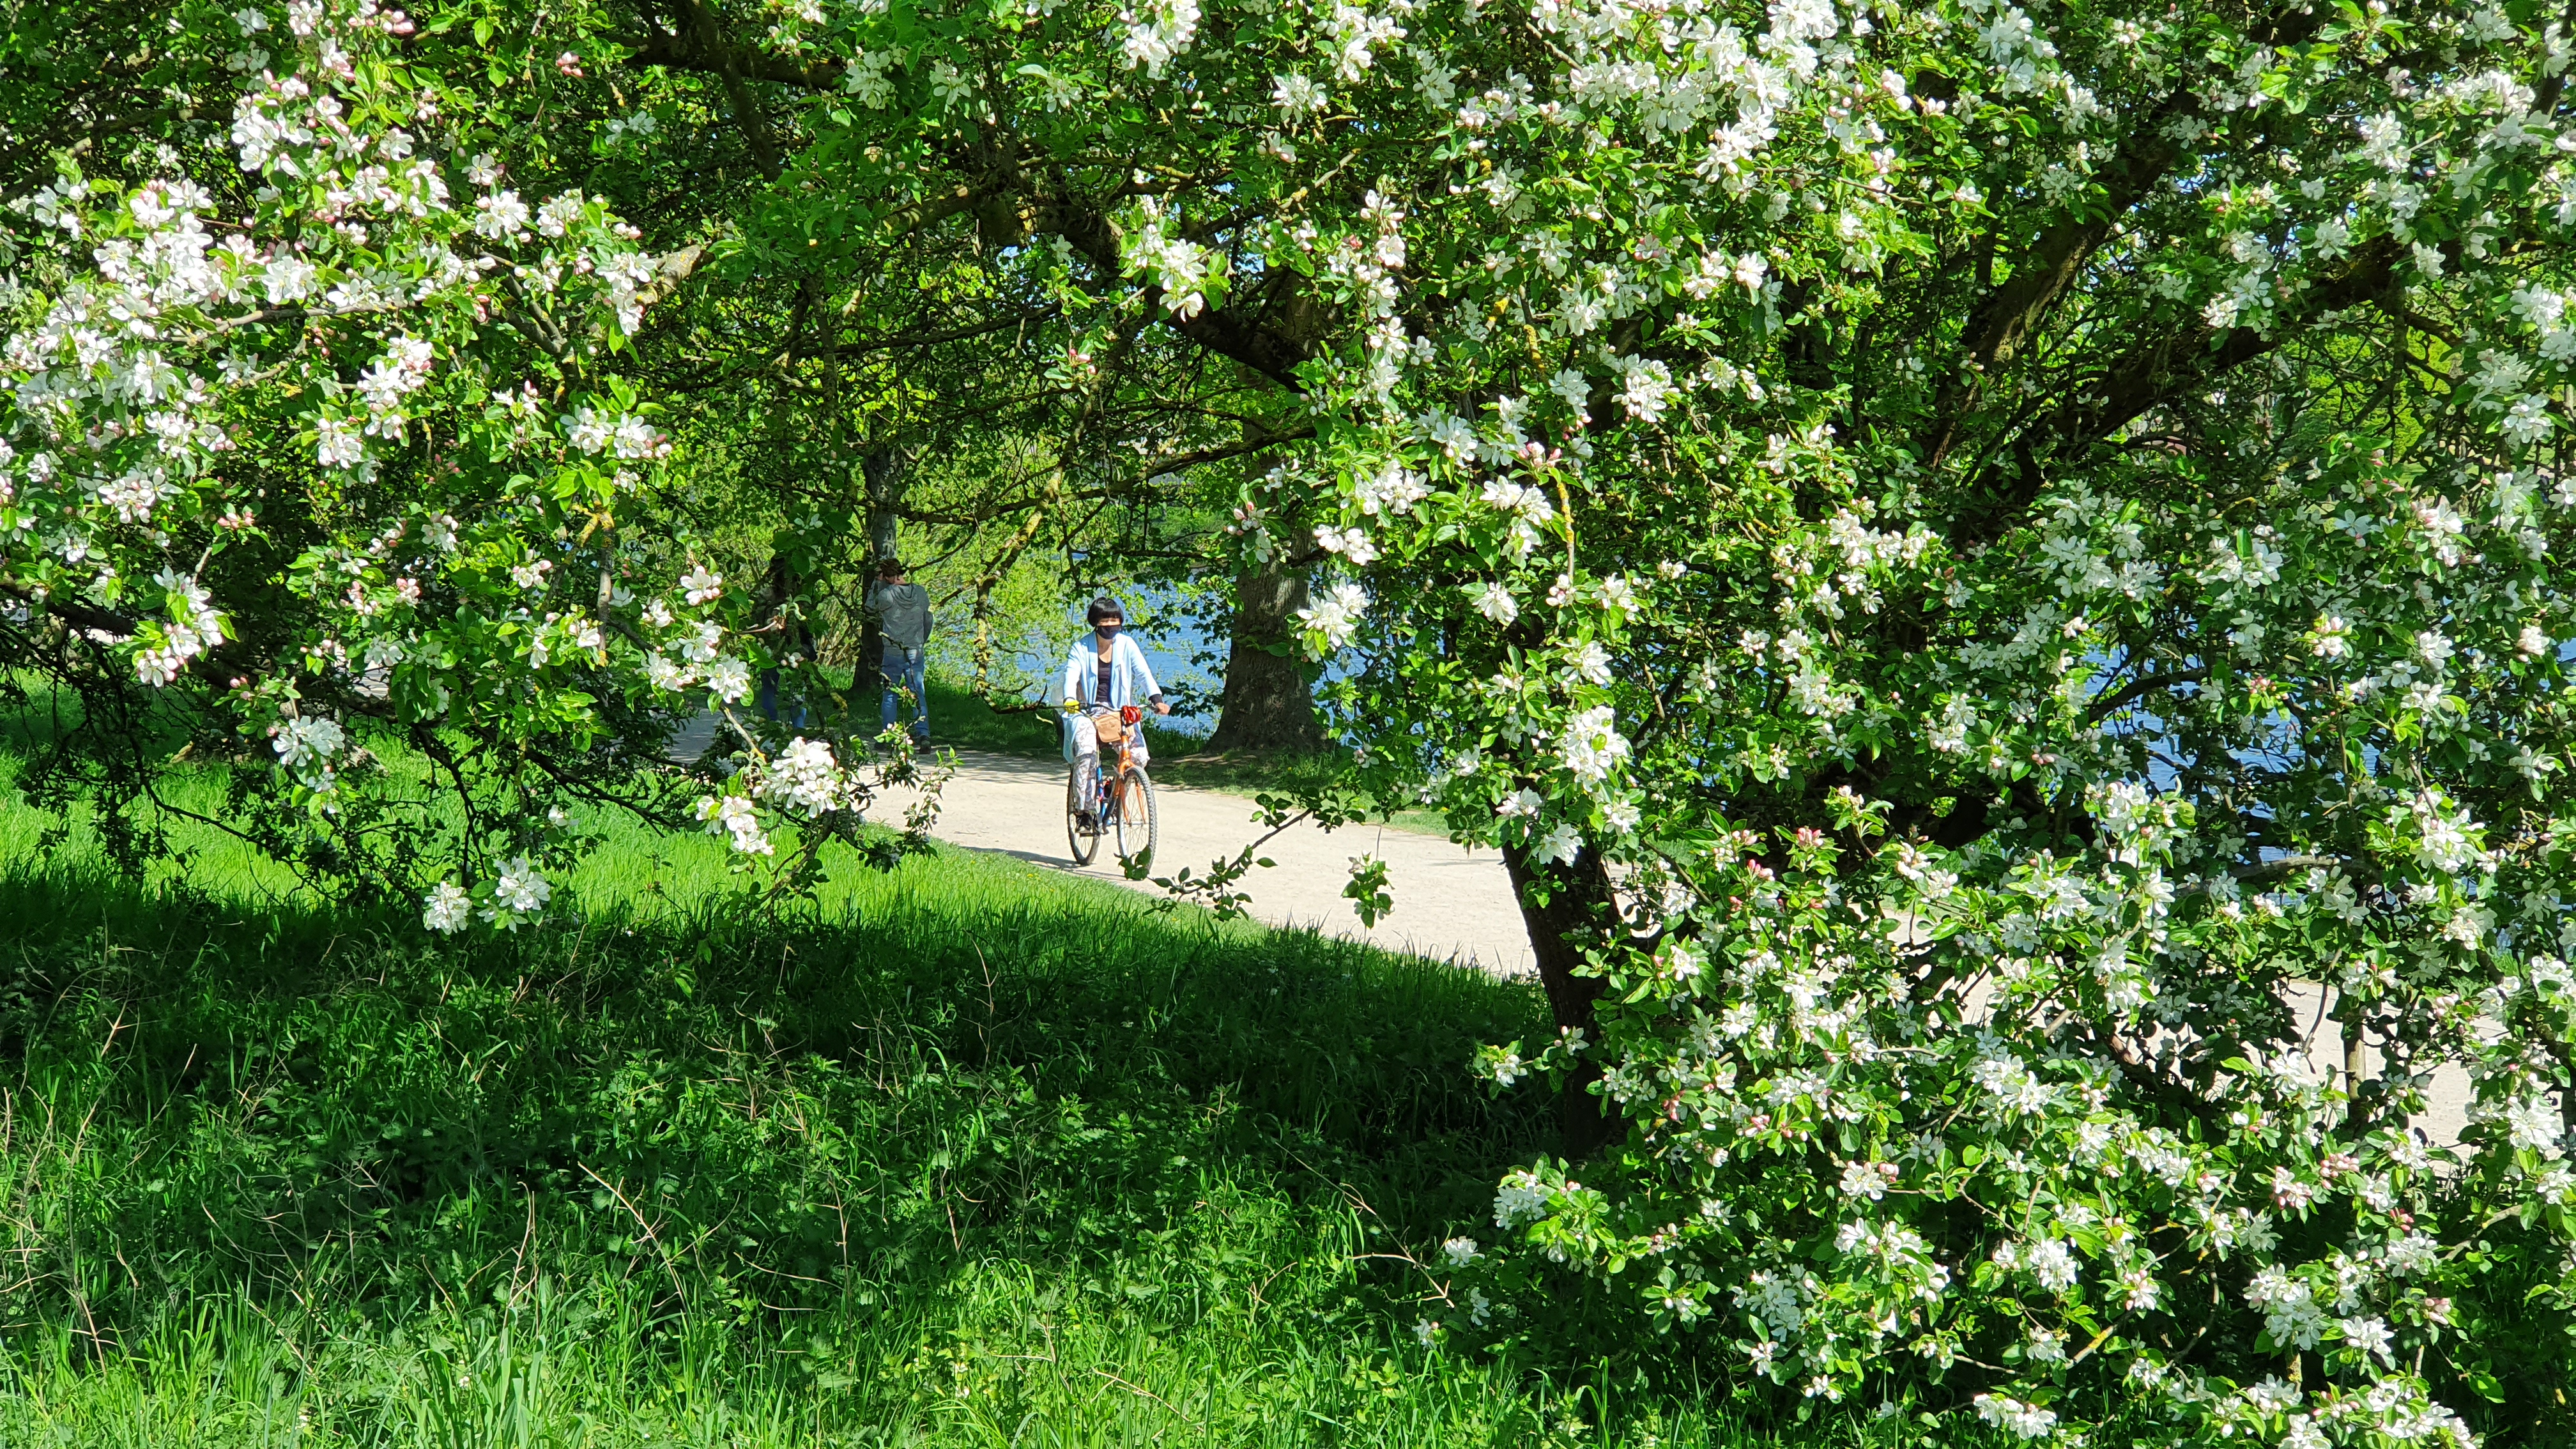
<point>905,669</point>
<point>769,699</point>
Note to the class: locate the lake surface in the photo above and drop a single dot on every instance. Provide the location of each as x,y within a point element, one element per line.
<point>1170,640</point>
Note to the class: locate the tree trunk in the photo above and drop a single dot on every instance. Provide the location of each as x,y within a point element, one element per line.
<point>1565,907</point>
<point>1268,704</point>
<point>882,472</point>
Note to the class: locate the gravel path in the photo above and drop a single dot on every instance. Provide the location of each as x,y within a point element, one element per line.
<point>1450,903</point>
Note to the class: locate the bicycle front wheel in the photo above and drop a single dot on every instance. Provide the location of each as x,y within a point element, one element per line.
<point>1084,846</point>
<point>1138,821</point>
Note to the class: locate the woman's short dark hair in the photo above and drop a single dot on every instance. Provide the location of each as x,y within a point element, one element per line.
<point>889,567</point>
<point>1106,607</point>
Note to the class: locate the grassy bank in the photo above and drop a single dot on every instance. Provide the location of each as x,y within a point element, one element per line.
<point>968,1154</point>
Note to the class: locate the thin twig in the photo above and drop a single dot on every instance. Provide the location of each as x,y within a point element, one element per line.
<point>650,1235</point>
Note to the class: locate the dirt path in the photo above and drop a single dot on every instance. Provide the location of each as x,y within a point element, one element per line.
<point>1450,903</point>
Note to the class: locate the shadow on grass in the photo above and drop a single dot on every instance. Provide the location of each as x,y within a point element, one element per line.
<point>980,1128</point>
<point>824,1103</point>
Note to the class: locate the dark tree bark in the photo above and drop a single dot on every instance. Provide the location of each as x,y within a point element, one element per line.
<point>1565,907</point>
<point>883,472</point>
<point>1268,704</point>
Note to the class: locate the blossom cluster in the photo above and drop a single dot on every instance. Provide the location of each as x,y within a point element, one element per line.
<point>803,783</point>
<point>442,349</point>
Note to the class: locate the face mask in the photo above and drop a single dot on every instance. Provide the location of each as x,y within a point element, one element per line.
<point>1107,631</point>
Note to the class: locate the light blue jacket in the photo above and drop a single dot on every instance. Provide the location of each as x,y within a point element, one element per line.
<point>1131,680</point>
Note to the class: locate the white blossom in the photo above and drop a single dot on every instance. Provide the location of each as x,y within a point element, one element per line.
<point>309,740</point>
<point>1557,845</point>
<point>500,216</point>
<point>2022,1421</point>
<point>447,908</point>
<point>735,817</point>
<point>521,890</point>
<point>728,680</point>
<point>1593,747</point>
<point>1298,95</point>
<point>1336,617</point>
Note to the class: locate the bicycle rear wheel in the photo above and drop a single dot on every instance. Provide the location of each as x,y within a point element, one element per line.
<point>1138,822</point>
<point>1083,846</point>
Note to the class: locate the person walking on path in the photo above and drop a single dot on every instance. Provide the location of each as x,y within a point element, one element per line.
<point>1105,671</point>
<point>792,639</point>
<point>903,617</point>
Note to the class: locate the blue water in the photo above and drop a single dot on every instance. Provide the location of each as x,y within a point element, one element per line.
<point>1170,641</point>
<point>1186,649</point>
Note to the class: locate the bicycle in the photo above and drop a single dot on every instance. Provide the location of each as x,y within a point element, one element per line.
<point>1125,810</point>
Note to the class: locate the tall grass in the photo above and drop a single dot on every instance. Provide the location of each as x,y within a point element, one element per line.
<point>968,1153</point>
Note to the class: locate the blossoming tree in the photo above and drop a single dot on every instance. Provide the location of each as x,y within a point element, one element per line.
<point>1963,553</point>
<point>1971,558</point>
<point>2009,546</point>
<point>323,450</point>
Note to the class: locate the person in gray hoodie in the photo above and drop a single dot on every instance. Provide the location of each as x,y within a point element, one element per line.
<point>903,617</point>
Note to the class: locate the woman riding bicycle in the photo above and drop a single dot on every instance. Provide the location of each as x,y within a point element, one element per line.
<point>1104,672</point>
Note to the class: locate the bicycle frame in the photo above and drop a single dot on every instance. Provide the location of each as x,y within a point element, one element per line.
<point>1105,800</point>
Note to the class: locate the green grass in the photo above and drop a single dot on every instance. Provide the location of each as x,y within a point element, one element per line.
<point>969,1153</point>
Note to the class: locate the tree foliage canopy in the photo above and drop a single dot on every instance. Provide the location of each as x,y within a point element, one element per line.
<point>1962,552</point>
